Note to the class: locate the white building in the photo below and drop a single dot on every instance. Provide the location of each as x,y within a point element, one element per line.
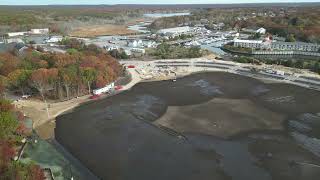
<point>247,43</point>
<point>192,43</point>
<point>135,43</point>
<point>105,89</point>
<point>40,31</point>
<point>274,45</point>
<point>110,48</point>
<point>261,31</point>
<point>54,39</point>
<point>14,40</point>
<point>295,46</point>
<point>138,50</point>
<point>13,34</point>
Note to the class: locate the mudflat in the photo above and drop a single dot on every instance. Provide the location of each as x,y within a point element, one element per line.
<point>204,126</point>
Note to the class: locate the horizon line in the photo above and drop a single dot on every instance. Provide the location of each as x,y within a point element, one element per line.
<point>293,2</point>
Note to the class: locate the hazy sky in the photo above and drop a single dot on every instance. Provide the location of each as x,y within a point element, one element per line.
<point>45,2</point>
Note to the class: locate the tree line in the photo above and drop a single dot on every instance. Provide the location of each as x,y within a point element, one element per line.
<point>58,75</point>
<point>12,131</point>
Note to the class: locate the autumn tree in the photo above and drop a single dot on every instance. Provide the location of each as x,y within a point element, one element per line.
<point>7,152</point>
<point>8,63</point>
<point>3,82</point>
<point>69,77</point>
<point>19,79</point>
<point>40,80</point>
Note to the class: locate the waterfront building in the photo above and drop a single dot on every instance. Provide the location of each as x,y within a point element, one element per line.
<point>276,45</point>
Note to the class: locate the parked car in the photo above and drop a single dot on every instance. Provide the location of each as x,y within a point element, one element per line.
<point>26,96</point>
<point>95,96</point>
<point>117,88</point>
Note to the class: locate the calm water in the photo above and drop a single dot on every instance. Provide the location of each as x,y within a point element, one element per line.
<point>159,15</point>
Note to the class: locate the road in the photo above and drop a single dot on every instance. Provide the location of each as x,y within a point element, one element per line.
<point>148,70</point>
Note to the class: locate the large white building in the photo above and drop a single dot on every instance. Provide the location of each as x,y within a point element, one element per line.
<point>40,31</point>
<point>275,45</point>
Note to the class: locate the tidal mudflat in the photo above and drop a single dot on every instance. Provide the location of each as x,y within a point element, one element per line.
<point>204,126</point>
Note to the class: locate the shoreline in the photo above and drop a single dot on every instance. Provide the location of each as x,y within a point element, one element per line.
<point>173,70</point>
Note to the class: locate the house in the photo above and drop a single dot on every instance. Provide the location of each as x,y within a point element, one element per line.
<point>110,48</point>
<point>39,31</point>
<point>261,31</point>
<point>138,50</point>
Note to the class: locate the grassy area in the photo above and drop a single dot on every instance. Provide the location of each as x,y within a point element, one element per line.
<point>93,31</point>
<point>166,51</point>
<point>61,19</point>
<point>233,49</point>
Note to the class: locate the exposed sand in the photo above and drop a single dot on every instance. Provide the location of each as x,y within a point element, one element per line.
<point>36,110</point>
<point>217,115</point>
<point>101,30</point>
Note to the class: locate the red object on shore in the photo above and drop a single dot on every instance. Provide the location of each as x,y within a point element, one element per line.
<point>131,66</point>
<point>94,96</point>
<point>118,88</point>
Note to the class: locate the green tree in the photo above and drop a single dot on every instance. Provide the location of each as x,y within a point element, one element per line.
<point>291,38</point>
<point>299,64</point>
<point>69,76</point>
<point>8,124</point>
<point>316,67</point>
<point>88,75</point>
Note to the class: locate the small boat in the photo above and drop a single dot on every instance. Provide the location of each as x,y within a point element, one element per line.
<point>174,80</point>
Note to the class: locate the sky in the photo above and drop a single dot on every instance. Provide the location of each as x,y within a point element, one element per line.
<point>48,2</point>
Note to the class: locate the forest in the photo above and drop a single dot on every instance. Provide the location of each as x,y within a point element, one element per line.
<point>58,76</point>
